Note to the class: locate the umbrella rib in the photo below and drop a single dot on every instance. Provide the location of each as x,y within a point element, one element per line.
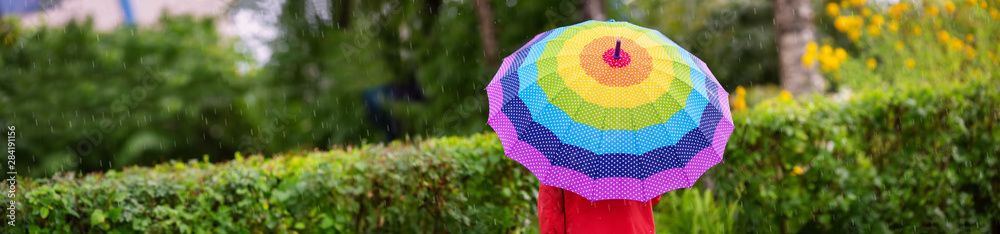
<point>559,153</point>
<point>575,113</point>
<point>689,82</point>
<point>559,150</point>
<point>639,162</point>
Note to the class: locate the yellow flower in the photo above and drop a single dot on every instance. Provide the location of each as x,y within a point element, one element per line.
<point>932,10</point>
<point>994,14</point>
<point>840,23</point>
<point>854,35</point>
<point>826,50</point>
<point>916,30</point>
<point>874,30</point>
<point>898,9</point>
<point>943,36</point>
<point>808,59</point>
<point>797,170</point>
<point>971,2</point>
<point>785,95</point>
<point>910,63</point>
<point>871,63</point>
<point>829,63</point>
<point>949,6</point>
<point>969,51</point>
<point>956,43</point>
<point>832,9</point>
<point>840,54</point>
<point>969,37</point>
<point>893,26</point>
<point>866,11</point>
<point>878,20</point>
<point>857,2</point>
<point>983,4</point>
<point>899,45</point>
<point>739,104</point>
<point>847,23</point>
<point>845,4</point>
<point>739,101</point>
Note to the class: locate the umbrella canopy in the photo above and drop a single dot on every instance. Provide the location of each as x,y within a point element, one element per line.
<point>609,110</point>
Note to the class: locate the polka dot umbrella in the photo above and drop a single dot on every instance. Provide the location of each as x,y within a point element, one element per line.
<point>609,110</point>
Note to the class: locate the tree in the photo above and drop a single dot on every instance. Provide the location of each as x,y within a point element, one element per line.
<point>594,10</point>
<point>484,12</point>
<point>794,28</point>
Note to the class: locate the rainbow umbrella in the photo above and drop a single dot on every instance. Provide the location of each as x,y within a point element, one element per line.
<point>609,110</point>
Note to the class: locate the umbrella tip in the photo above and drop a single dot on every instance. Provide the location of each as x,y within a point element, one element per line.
<point>618,49</point>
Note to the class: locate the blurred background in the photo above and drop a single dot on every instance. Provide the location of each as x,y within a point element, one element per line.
<point>110,83</point>
<point>106,84</point>
<point>98,85</point>
<point>851,115</point>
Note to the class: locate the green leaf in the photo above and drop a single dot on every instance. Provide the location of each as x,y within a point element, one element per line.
<point>34,229</point>
<point>326,223</point>
<point>97,217</point>
<point>118,196</point>
<point>45,212</point>
<point>114,212</point>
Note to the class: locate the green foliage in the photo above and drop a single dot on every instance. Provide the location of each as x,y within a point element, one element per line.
<point>940,45</point>
<point>734,38</point>
<point>920,159</point>
<point>694,211</point>
<point>139,96</point>
<point>319,79</point>
<point>457,184</point>
<point>87,100</point>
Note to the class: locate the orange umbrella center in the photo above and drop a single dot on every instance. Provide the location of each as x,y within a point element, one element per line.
<point>631,67</point>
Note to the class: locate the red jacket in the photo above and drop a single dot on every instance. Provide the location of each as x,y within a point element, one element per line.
<point>562,211</point>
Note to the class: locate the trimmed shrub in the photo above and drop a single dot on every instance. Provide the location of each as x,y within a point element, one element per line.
<point>918,160</point>
<point>456,184</point>
<point>921,160</point>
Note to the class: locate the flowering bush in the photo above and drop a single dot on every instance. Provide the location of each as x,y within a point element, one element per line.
<point>919,159</point>
<point>907,42</point>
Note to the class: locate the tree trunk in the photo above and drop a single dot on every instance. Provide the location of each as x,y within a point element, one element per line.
<point>484,12</point>
<point>594,10</point>
<point>794,29</point>
<point>344,14</point>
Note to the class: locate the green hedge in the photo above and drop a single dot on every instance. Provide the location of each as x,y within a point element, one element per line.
<point>921,160</point>
<point>458,184</point>
<point>914,161</point>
